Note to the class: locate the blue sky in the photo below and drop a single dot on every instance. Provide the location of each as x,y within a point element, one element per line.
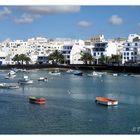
<point>80,22</point>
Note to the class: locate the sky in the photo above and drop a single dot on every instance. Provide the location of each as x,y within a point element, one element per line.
<point>79,22</point>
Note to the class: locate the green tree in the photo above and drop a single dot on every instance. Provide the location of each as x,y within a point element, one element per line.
<point>115,58</point>
<point>56,56</point>
<point>16,58</point>
<point>22,58</point>
<point>86,58</point>
<point>104,59</point>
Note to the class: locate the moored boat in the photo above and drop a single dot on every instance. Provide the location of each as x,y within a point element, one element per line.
<point>37,100</point>
<point>78,73</point>
<point>106,101</point>
<point>95,74</point>
<point>54,73</point>
<point>115,74</point>
<point>9,85</point>
<point>42,79</point>
<point>25,80</point>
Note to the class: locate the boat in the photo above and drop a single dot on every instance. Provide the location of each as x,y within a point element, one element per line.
<point>11,74</point>
<point>25,80</point>
<point>54,73</point>
<point>115,74</point>
<point>9,85</point>
<point>106,101</point>
<point>95,74</point>
<point>69,71</point>
<point>78,73</point>
<point>42,79</point>
<point>37,100</point>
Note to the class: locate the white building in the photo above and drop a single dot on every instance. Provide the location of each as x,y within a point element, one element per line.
<point>133,37</point>
<point>104,49</point>
<point>17,47</point>
<point>77,50</point>
<point>131,52</point>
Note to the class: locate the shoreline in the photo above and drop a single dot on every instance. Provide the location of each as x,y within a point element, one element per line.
<point>111,68</point>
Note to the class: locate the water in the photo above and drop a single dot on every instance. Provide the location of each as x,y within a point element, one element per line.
<point>70,106</point>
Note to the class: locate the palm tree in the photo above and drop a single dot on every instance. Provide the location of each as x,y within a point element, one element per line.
<point>16,58</point>
<point>22,58</point>
<point>27,60</point>
<point>86,58</point>
<point>116,58</point>
<point>104,59</point>
<point>56,56</point>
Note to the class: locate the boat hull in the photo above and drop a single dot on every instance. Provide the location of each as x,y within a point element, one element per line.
<point>37,100</point>
<point>106,101</point>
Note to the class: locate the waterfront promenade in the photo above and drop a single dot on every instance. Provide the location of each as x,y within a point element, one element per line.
<point>113,68</point>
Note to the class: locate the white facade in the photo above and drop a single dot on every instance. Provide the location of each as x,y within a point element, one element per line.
<point>131,37</point>
<point>104,49</point>
<point>77,50</point>
<point>131,52</point>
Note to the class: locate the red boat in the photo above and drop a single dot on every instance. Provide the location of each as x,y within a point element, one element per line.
<point>37,100</point>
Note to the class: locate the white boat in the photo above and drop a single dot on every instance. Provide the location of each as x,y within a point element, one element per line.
<point>10,76</point>
<point>25,80</point>
<point>69,71</point>
<point>54,73</point>
<point>95,74</point>
<point>9,85</point>
<point>12,72</point>
<point>115,74</point>
<point>42,79</point>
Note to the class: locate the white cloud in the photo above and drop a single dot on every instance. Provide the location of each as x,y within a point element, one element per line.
<point>26,18</point>
<point>84,24</point>
<point>51,9</point>
<point>115,20</point>
<point>33,12</point>
<point>5,13</point>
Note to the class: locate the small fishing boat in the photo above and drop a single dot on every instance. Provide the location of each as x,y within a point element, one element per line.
<point>37,100</point>
<point>54,73</point>
<point>9,85</point>
<point>106,101</point>
<point>115,74</point>
<point>95,74</point>
<point>69,71</point>
<point>78,73</point>
<point>11,74</point>
<point>25,80</point>
<point>42,79</point>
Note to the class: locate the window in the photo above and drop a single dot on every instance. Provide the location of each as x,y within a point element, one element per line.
<point>127,53</point>
<point>124,53</point>
<point>124,57</point>
<point>127,58</point>
<point>131,53</point>
<point>127,49</point>
<point>94,54</point>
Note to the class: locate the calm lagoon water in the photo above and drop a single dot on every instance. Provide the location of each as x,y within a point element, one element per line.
<point>70,106</point>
